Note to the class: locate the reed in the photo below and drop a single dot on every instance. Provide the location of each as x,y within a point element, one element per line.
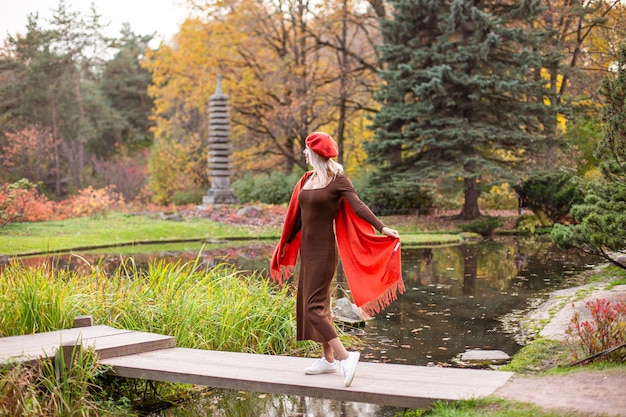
<point>31,301</point>
<point>48,388</point>
<point>218,308</point>
<point>207,308</point>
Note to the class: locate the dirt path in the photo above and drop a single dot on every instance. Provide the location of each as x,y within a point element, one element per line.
<point>588,393</point>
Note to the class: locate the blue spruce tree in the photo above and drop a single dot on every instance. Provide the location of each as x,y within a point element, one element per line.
<point>462,94</point>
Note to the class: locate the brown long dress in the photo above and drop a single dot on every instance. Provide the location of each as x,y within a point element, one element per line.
<point>319,255</point>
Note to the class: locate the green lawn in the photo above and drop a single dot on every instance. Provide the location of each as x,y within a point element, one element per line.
<point>116,228</point>
<point>121,229</point>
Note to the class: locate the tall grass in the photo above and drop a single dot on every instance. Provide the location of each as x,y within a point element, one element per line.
<point>31,301</point>
<point>218,308</point>
<point>47,388</point>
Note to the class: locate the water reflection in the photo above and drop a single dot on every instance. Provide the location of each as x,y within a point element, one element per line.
<point>455,300</point>
<point>457,296</point>
<point>230,403</point>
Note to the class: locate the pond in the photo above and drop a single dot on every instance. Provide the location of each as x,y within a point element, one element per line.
<point>457,298</point>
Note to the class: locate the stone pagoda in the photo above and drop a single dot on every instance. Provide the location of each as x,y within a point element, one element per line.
<point>220,150</point>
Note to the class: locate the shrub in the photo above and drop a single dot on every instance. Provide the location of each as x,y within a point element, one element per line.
<point>534,223</point>
<point>29,153</point>
<point>385,197</point>
<point>183,198</point>
<point>484,226</point>
<point>126,172</point>
<point>499,197</point>
<point>20,201</point>
<point>605,329</point>
<point>550,192</point>
<point>91,202</point>
<point>275,188</point>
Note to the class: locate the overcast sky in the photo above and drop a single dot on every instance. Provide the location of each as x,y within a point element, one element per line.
<point>145,16</point>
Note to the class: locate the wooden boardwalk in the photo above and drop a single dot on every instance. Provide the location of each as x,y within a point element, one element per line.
<point>107,341</point>
<point>155,357</point>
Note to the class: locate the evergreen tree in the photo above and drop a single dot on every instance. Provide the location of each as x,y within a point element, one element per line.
<point>462,95</point>
<point>600,220</point>
<point>28,73</point>
<point>32,93</point>
<point>56,79</point>
<point>124,83</point>
<point>49,78</point>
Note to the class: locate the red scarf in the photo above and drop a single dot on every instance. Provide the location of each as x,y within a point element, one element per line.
<point>371,262</point>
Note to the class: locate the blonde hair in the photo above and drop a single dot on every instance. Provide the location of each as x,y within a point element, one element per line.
<point>325,168</point>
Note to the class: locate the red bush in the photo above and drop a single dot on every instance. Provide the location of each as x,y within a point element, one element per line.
<point>21,202</point>
<point>605,329</point>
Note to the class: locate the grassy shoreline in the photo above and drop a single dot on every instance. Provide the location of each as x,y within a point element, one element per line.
<point>119,229</point>
<point>116,228</point>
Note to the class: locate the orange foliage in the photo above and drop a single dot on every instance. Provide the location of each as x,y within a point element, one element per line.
<point>91,202</point>
<point>183,79</point>
<point>281,79</point>
<point>22,202</point>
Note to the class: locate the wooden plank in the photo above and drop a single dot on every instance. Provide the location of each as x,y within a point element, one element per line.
<point>42,344</point>
<point>83,321</point>
<point>131,343</point>
<point>390,384</point>
<point>106,340</point>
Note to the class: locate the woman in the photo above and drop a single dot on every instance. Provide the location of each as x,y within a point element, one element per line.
<point>323,201</point>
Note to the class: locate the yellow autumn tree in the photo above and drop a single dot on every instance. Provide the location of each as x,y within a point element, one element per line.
<point>602,45</point>
<point>577,27</point>
<point>349,34</point>
<point>581,53</point>
<point>288,68</point>
<point>184,77</point>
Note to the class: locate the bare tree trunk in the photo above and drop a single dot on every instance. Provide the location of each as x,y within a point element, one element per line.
<point>81,121</point>
<point>341,128</point>
<point>343,57</point>
<point>289,162</point>
<point>470,206</point>
<point>378,6</point>
<point>55,132</point>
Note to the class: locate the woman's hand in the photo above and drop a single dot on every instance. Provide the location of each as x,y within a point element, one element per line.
<point>390,232</point>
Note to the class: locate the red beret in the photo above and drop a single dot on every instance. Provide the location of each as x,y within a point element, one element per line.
<point>322,144</point>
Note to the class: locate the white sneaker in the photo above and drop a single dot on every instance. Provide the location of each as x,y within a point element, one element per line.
<point>321,366</point>
<point>348,367</point>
